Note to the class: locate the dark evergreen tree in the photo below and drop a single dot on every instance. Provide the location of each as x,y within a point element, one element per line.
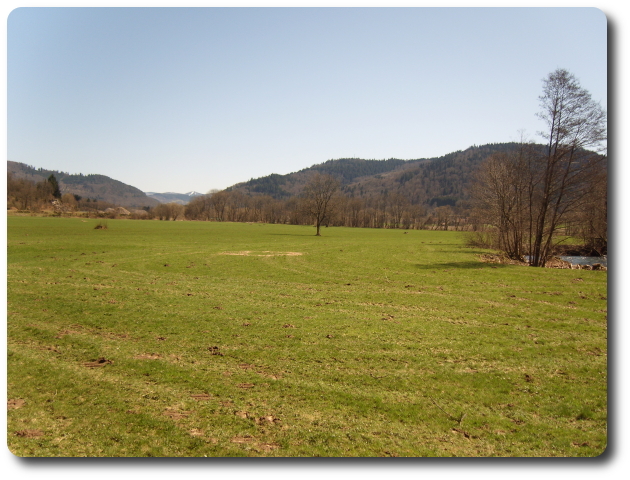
<point>55,186</point>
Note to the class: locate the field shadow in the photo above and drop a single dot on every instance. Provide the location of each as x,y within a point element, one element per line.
<point>460,265</point>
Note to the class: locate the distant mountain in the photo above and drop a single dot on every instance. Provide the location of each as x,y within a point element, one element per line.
<point>97,187</point>
<point>170,197</point>
<point>433,181</point>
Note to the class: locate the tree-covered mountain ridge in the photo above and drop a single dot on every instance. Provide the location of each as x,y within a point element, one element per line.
<point>433,181</point>
<point>93,186</point>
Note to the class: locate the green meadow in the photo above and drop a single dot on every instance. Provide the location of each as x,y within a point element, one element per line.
<point>192,339</point>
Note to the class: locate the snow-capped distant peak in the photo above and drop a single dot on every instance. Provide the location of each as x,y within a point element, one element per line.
<point>190,194</point>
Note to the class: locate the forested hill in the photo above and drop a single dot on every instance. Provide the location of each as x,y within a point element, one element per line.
<point>96,187</point>
<point>345,169</point>
<point>432,181</point>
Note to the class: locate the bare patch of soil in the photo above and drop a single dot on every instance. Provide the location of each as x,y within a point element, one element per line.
<point>29,433</point>
<point>101,362</point>
<point>15,403</point>
<point>267,419</point>
<point>174,414</point>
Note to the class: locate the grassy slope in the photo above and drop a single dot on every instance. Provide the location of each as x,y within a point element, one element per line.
<point>371,343</point>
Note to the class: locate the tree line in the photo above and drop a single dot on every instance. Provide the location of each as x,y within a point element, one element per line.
<point>382,211</point>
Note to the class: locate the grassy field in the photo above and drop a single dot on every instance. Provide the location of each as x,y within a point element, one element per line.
<point>213,339</point>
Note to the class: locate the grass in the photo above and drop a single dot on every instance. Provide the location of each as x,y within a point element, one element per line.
<point>218,339</point>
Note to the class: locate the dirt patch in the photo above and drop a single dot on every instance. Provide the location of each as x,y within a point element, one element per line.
<point>29,433</point>
<point>266,253</point>
<point>101,362</point>
<point>15,403</point>
<point>176,414</point>
<point>267,419</point>
<point>245,385</point>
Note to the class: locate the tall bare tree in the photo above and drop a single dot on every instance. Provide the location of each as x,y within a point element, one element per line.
<point>318,198</point>
<point>576,137</point>
<point>528,195</point>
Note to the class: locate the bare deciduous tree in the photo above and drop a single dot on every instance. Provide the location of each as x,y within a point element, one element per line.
<point>168,211</point>
<point>318,198</point>
<point>199,208</point>
<point>502,191</point>
<point>575,123</point>
<point>530,194</point>
<point>397,205</point>
<point>218,201</point>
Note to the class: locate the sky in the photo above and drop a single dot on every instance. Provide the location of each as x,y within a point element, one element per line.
<point>181,99</point>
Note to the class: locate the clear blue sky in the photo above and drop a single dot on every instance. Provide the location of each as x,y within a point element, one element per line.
<point>196,99</point>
